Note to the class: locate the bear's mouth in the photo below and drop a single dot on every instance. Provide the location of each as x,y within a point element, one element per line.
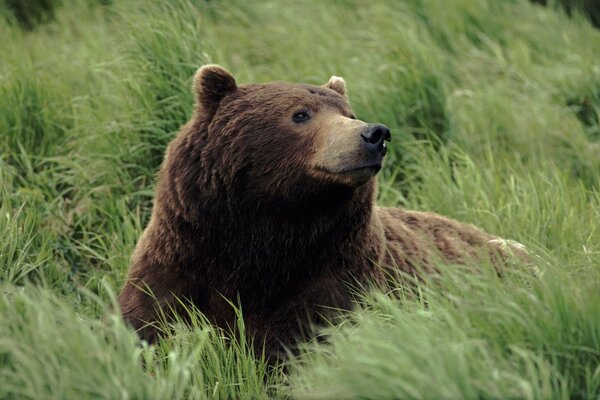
<point>354,176</point>
<point>374,168</point>
<point>350,171</point>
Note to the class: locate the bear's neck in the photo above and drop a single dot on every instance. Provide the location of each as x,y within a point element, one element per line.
<point>273,237</point>
<point>280,231</point>
<point>287,243</point>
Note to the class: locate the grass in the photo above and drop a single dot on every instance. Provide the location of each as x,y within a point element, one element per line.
<point>494,108</point>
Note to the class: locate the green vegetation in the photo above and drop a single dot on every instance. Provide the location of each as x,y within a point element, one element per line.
<point>494,108</point>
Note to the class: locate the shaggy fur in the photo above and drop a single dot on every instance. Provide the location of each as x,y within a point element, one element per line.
<point>247,208</point>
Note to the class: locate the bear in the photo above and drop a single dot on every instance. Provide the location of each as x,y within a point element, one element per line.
<point>266,198</point>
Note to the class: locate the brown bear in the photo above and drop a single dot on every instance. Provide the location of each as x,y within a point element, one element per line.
<point>266,198</point>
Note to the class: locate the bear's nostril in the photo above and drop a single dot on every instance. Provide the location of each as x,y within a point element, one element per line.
<point>376,134</point>
<point>372,136</point>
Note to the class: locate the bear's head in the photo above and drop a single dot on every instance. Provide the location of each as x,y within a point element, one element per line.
<point>282,139</point>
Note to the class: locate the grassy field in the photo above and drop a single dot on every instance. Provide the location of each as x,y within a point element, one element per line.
<point>494,108</point>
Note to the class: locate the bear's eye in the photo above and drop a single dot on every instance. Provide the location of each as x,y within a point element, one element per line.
<point>300,116</point>
<point>352,116</point>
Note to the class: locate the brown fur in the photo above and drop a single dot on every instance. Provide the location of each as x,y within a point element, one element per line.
<point>252,206</point>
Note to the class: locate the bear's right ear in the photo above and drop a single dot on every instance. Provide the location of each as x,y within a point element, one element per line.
<point>337,84</point>
<point>211,83</point>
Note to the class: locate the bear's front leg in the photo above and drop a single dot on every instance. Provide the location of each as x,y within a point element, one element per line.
<point>148,298</point>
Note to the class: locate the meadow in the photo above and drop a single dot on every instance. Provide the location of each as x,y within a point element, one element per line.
<point>494,107</point>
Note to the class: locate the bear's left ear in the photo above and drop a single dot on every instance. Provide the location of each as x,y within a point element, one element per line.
<point>337,84</point>
<point>211,83</point>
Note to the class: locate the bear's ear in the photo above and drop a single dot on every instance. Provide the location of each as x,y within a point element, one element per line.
<point>337,84</point>
<point>211,83</point>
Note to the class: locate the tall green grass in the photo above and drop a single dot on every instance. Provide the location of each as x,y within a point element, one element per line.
<point>50,351</point>
<point>467,338</point>
<point>494,108</point>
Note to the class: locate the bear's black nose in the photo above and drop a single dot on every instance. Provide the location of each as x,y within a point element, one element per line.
<point>375,136</point>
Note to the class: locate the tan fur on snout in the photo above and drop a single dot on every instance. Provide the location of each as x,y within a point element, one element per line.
<point>338,146</point>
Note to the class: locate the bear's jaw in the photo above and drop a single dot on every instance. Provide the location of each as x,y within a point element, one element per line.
<point>352,177</point>
<point>361,175</point>
<point>324,201</point>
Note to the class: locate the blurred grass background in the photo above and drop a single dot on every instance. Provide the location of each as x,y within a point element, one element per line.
<point>494,108</point>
